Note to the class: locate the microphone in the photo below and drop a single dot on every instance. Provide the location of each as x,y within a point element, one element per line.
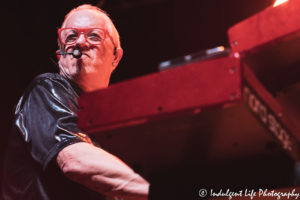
<point>76,53</point>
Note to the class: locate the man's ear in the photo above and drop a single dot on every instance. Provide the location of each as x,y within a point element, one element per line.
<point>57,54</point>
<point>118,56</point>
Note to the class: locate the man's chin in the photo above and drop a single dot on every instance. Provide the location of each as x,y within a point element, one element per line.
<point>83,72</point>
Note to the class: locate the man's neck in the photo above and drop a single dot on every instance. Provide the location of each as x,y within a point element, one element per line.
<point>89,84</point>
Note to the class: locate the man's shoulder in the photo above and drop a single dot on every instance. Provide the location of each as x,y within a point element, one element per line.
<point>48,78</point>
<point>50,84</point>
<point>55,83</point>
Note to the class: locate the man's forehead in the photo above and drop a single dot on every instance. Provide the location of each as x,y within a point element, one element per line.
<point>86,18</point>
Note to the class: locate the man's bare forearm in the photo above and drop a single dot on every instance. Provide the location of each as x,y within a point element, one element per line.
<point>101,171</point>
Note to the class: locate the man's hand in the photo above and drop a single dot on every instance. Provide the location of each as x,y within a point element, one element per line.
<point>101,171</point>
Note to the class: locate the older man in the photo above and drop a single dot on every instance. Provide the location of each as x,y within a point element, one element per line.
<point>48,157</point>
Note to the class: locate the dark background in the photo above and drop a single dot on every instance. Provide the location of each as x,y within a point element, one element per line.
<point>151,31</point>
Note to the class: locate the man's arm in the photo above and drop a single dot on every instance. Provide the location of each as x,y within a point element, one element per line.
<point>101,171</point>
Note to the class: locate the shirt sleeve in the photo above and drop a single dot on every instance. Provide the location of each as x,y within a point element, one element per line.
<point>46,117</point>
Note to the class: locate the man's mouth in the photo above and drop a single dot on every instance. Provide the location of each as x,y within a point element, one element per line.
<point>85,54</point>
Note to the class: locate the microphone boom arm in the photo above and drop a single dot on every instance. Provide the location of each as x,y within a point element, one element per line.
<point>76,53</point>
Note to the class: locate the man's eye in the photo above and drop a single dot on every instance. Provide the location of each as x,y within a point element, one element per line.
<point>94,36</point>
<point>71,38</point>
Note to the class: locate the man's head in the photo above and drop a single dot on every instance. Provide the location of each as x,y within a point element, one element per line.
<point>92,71</point>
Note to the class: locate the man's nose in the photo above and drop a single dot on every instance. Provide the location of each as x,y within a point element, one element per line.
<point>81,41</point>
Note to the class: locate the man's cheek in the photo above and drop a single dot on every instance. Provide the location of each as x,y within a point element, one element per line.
<point>69,60</point>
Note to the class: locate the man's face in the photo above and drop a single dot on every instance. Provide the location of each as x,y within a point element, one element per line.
<point>96,61</point>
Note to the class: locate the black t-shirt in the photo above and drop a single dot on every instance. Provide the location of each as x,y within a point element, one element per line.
<point>45,122</point>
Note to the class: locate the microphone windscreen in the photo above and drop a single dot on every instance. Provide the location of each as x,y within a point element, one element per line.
<point>77,53</point>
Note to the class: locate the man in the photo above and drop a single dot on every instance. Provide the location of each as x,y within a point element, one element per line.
<point>47,156</point>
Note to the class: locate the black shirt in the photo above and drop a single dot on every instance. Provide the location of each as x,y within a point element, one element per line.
<point>45,122</point>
